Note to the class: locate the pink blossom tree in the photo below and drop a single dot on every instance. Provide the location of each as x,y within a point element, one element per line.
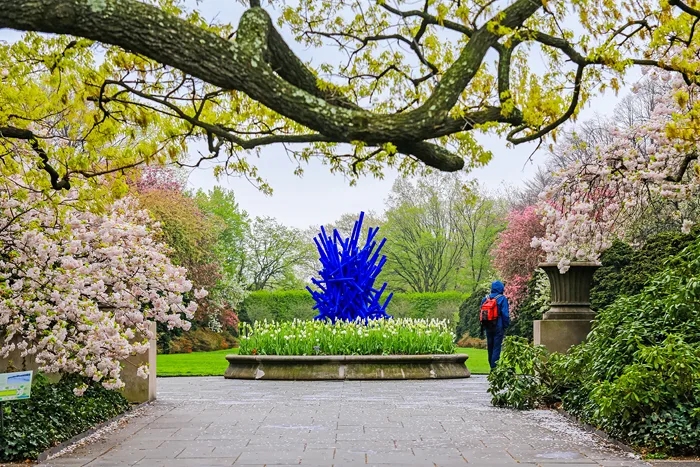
<point>158,177</point>
<point>594,199</point>
<point>79,289</point>
<point>514,258</point>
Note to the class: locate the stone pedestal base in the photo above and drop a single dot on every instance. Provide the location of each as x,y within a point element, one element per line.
<point>137,389</point>
<point>558,335</point>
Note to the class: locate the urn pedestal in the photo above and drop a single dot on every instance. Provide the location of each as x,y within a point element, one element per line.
<point>569,318</point>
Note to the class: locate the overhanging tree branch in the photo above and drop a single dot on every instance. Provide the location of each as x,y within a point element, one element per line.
<point>686,8</point>
<point>262,66</point>
<point>57,182</point>
<point>685,163</point>
<point>254,65</point>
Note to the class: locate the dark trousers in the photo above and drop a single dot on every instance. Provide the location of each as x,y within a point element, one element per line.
<point>494,340</point>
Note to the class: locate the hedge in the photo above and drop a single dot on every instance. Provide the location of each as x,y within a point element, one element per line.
<point>625,271</point>
<point>287,305</point>
<point>54,414</point>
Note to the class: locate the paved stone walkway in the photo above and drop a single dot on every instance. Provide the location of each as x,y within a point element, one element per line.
<point>214,422</point>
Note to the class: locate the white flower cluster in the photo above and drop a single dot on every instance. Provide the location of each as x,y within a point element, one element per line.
<point>591,202</point>
<point>381,336</point>
<point>78,290</point>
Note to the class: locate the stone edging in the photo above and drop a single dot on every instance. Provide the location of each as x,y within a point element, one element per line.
<point>347,367</point>
<point>601,434</point>
<point>60,447</point>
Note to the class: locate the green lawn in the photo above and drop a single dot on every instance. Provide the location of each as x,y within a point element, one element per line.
<point>214,363</point>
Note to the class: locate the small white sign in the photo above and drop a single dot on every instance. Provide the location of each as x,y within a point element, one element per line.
<point>15,386</point>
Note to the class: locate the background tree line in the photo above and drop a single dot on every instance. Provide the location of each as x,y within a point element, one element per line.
<point>440,232</point>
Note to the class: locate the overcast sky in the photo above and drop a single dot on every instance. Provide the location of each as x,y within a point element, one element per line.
<point>320,197</point>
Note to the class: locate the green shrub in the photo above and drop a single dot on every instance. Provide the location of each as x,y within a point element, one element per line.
<point>281,305</point>
<point>625,271</point>
<point>441,305</point>
<point>287,305</point>
<point>469,313</point>
<point>53,415</point>
<point>523,378</point>
<point>638,375</point>
<point>533,305</point>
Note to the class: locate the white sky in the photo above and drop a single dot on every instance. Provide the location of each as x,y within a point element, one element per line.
<point>320,197</point>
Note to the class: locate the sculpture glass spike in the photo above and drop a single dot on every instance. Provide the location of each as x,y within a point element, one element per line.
<point>346,288</point>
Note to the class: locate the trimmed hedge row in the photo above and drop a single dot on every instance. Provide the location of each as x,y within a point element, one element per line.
<point>286,305</point>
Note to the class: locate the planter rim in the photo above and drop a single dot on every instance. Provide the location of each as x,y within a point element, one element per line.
<point>461,358</point>
<point>573,263</point>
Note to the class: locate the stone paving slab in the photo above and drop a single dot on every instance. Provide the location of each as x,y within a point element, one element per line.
<point>199,422</point>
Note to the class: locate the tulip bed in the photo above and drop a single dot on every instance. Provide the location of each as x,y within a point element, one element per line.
<point>403,336</point>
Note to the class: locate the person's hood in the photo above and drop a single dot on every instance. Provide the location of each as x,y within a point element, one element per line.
<point>497,288</point>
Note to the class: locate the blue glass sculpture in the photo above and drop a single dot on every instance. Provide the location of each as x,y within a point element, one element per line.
<point>346,288</point>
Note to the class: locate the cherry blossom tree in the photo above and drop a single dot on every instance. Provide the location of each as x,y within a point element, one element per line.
<point>514,258</point>
<point>650,156</point>
<point>80,289</point>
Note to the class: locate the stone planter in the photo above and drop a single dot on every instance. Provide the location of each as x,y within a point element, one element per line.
<point>571,292</point>
<point>346,367</point>
<point>569,318</point>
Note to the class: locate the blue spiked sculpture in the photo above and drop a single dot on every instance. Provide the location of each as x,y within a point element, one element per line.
<point>347,278</point>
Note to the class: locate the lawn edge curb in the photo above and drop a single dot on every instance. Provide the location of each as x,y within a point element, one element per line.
<point>44,456</point>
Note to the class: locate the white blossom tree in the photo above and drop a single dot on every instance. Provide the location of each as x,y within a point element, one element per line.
<point>79,289</point>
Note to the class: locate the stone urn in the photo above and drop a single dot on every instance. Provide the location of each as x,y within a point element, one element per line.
<point>569,318</point>
<point>571,291</point>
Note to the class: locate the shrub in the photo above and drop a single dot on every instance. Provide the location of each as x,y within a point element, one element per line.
<point>532,306</point>
<point>53,415</point>
<point>282,305</point>
<point>638,375</point>
<point>469,313</point>
<point>608,281</point>
<point>441,305</point>
<point>522,379</point>
<point>202,340</point>
<point>625,271</point>
<point>469,342</point>
<point>378,337</point>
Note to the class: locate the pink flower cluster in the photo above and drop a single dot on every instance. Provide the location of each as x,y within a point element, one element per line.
<point>78,290</point>
<point>514,258</point>
<point>593,201</point>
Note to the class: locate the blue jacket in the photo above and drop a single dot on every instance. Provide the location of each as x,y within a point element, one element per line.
<point>503,316</point>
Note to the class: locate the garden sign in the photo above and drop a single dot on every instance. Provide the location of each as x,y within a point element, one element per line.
<point>15,386</point>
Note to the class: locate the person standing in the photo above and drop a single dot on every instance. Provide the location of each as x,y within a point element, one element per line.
<point>495,319</point>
